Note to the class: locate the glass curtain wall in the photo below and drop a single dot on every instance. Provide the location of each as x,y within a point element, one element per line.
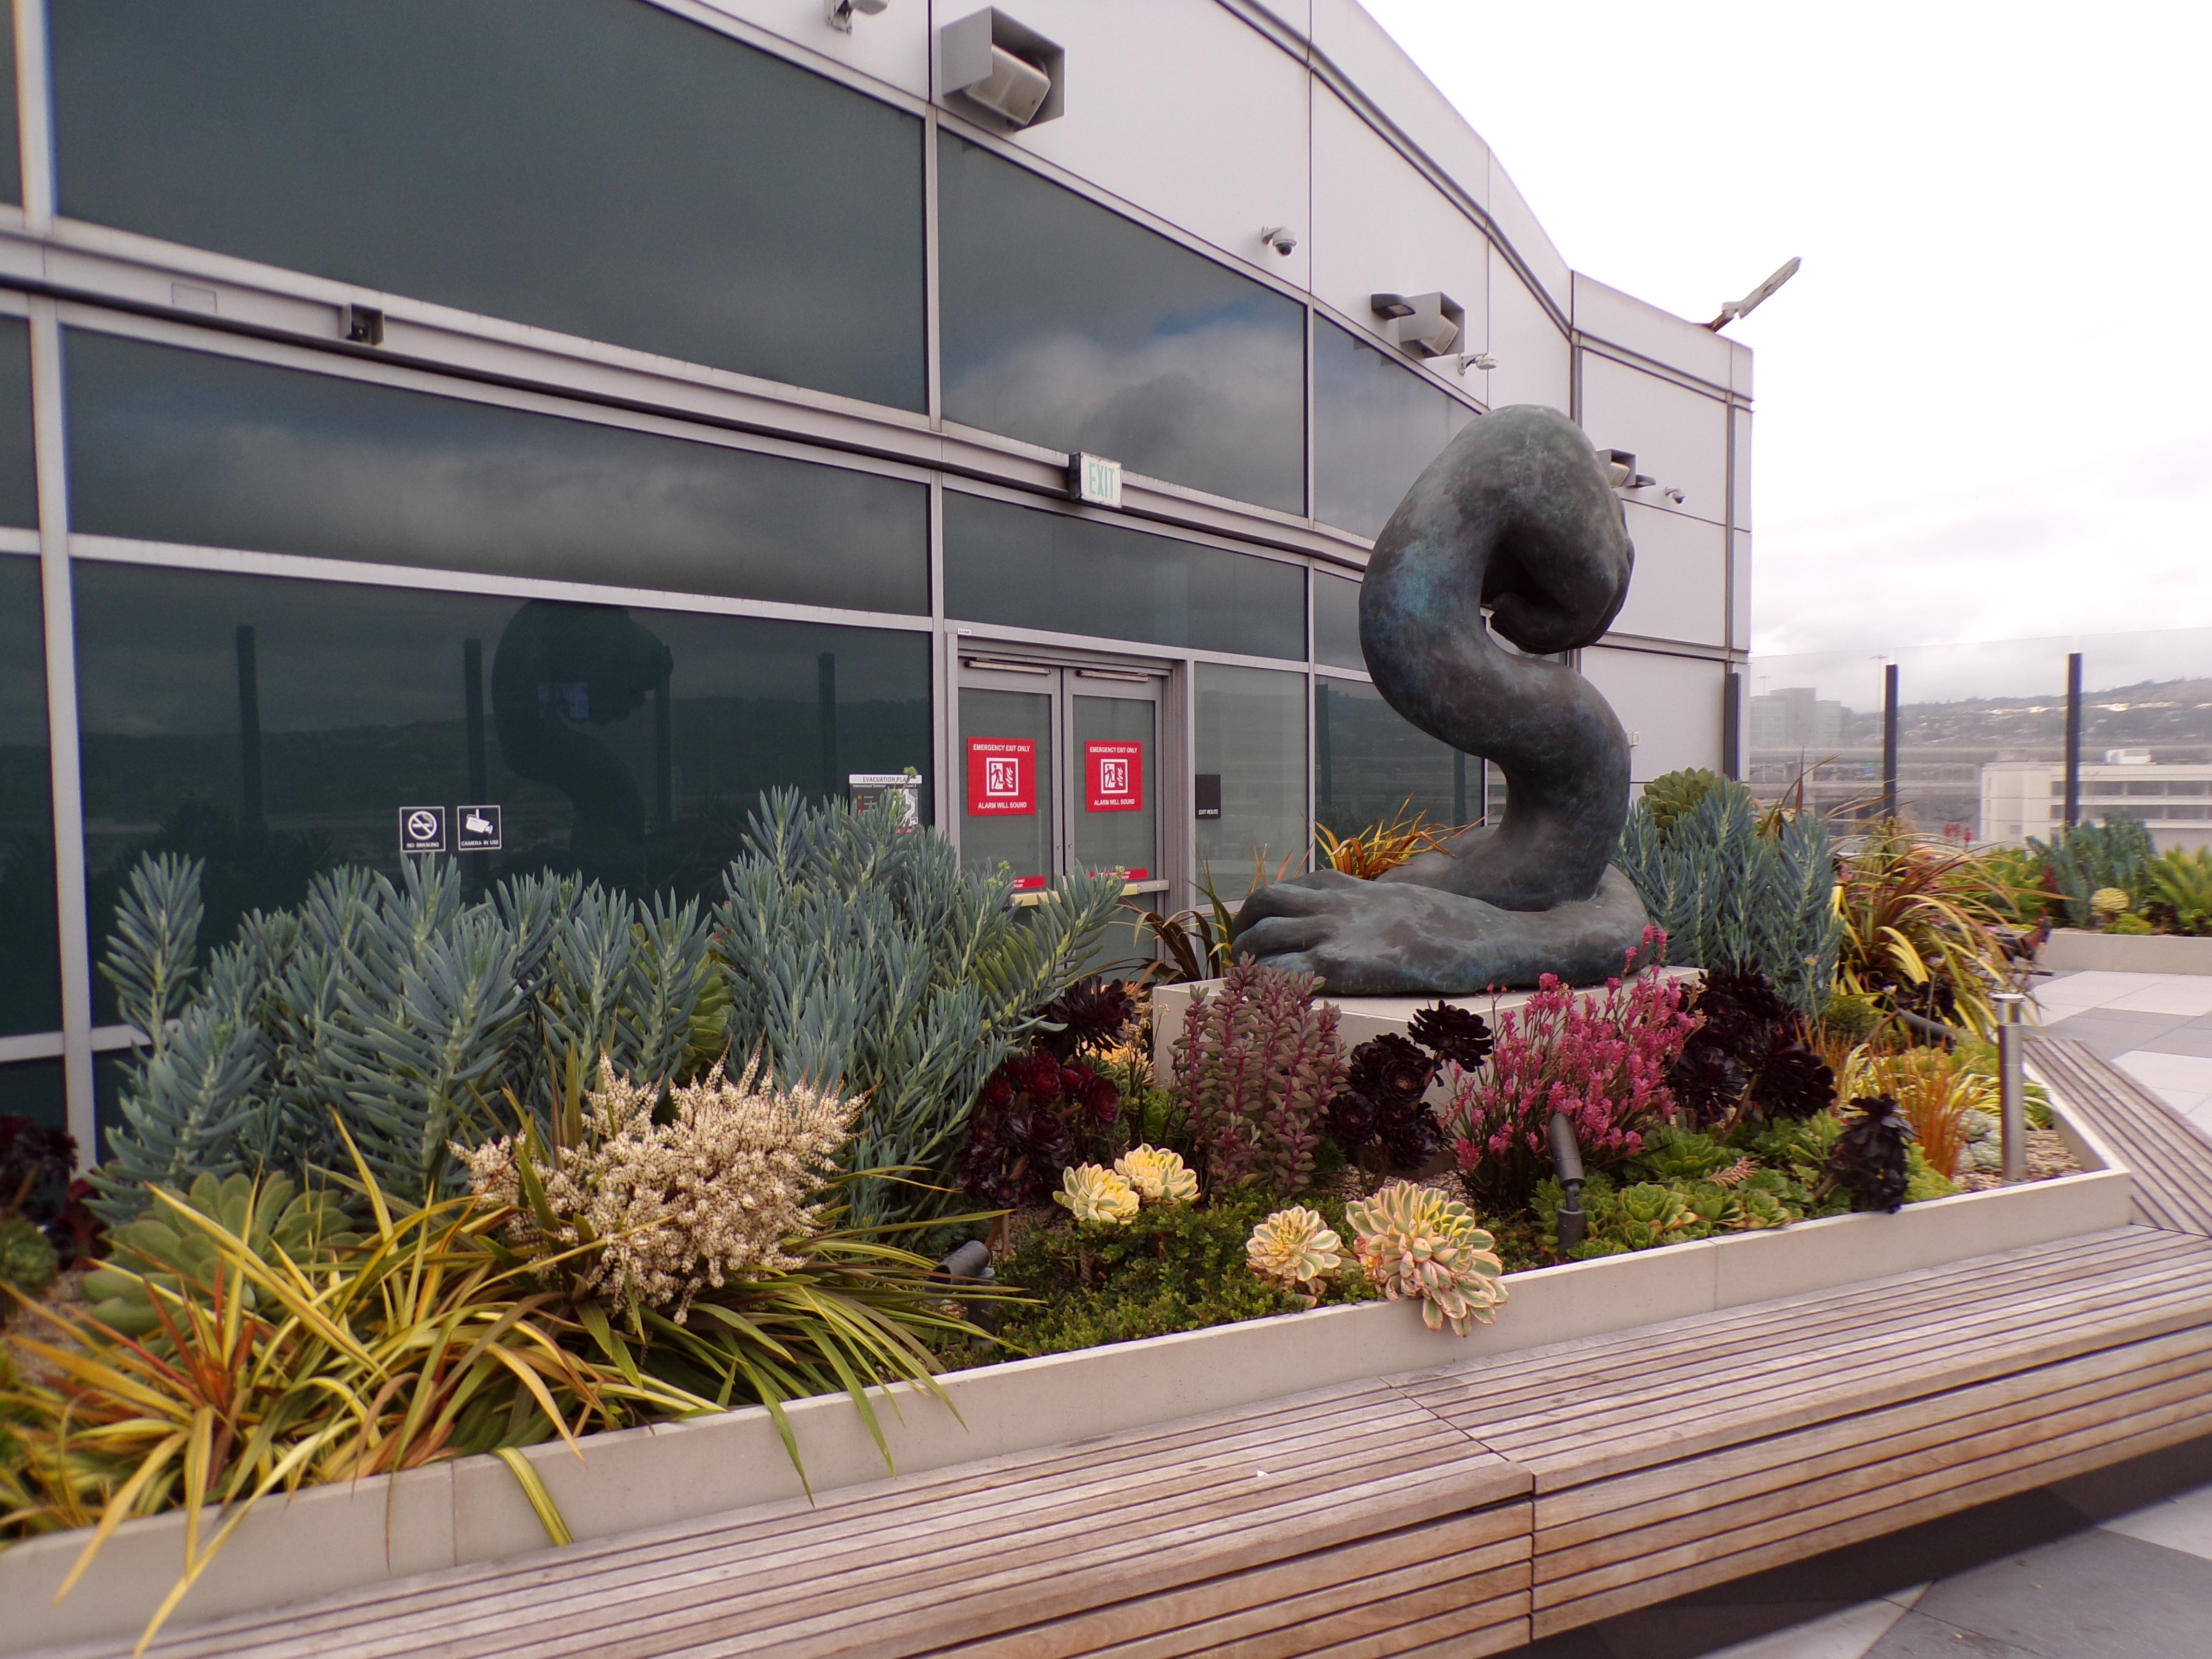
<point>30,970</point>
<point>601,168</point>
<point>1070,326</point>
<point>1370,764</point>
<point>274,728</point>
<point>1251,744</point>
<point>1377,424</point>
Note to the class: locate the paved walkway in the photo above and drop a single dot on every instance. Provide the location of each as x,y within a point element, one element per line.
<point>2113,1565</point>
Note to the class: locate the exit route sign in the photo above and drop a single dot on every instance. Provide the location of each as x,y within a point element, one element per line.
<point>1095,479</point>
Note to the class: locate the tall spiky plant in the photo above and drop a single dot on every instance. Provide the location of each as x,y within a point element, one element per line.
<point>1256,1064</point>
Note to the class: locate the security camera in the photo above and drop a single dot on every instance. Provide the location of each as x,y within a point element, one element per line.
<point>1279,238</point>
<point>839,13</point>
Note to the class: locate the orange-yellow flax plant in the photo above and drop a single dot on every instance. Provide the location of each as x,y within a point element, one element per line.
<point>1380,847</point>
<point>423,1339</point>
<point>1920,917</point>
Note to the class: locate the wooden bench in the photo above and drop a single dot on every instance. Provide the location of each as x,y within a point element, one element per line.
<point>1458,1511</point>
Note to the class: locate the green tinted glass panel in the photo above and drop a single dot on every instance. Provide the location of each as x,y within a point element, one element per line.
<point>185,446</point>
<point>275,728</point>
<point>1370,765</point>
<point>34,1089</point>
<point>18,489</point>
<point>1251,733</point>
<point>1022,567</point>
<point>601,168</point>
<point>30,972</point>
<point>1377,425</point>
<point>11,160</point>
<point>1071,326</point>
<point>1009,823</point>
<point>1117,809</point>
<point>1336,622</point>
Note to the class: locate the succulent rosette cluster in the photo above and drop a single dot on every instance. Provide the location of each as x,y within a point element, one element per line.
<point>1416,1244</point>
<point>1018,1139</point>
<point>1748,1054</point>
<point>1872,1158</point>
<point>1295,1247</point>
<point>1090,1192</point>
<point>1383,1104</point>
<point>1159,1176</point>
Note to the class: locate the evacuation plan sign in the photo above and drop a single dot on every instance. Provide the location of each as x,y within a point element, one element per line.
<point>1001,776</point>
<point>1114,777</point>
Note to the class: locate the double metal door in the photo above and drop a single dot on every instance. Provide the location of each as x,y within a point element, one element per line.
<point>1060,770</point>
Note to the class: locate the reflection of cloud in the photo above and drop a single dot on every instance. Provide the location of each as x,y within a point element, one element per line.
<point>1217,408</point>
<point>2113,547</point>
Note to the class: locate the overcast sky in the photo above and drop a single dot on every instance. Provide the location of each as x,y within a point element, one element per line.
<point>1984,406</point>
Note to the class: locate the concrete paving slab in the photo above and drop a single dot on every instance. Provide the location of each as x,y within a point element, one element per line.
<point>1845,1635</point>
<point>2188,1075</point>
<point>2096,1595</point>
<point>2182,1523</point>
<point>2168,993</point>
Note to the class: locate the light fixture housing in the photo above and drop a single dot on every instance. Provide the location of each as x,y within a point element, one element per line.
<point>1422,325</point>
<point>999,72</point>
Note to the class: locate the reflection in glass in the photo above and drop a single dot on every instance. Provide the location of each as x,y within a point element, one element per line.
<point>1336,622</point>
<point>601,168</point>
<point>1370,765</point>
<point>1006,763</point>
<point>185,447</point>
<point>1252,734</point>
<point>19,489</point>
<point>34,1089</point>
<point>1376,424</point>
<point>1022,567</point>
<point>276,728</point>
<point>1068,326</point>
<point>30,970</point>
<point>1118,808</point>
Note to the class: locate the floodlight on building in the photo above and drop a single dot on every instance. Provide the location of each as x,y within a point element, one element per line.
<point>1423,324</point>
<point>838,13</point>
<point>1758,297</point>
<point>1621,471</point>
<point>989,64</point>
<point>1278,237</point>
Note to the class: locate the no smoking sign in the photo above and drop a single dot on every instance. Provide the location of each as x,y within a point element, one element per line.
<point>421,828</point>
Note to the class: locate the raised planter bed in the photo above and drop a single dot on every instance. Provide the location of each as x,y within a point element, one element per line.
<point>329,1539</point>
<point>2074,948</point>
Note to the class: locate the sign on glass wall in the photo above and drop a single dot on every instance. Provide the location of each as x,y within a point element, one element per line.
<point>1001,775</point>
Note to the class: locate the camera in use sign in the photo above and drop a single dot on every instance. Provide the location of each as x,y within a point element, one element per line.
<point>1001,776</point>
<point>1114,777</point>
<point>477,829</point>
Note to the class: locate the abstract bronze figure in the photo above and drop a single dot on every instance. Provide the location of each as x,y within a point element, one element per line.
<point>1516,516</point>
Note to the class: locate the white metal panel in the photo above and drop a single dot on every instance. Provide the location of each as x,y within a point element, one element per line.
<point>1672,703</point>
<point>1648,331</point>
<point>1380,226</point>
<point>1680,591</point>
<point>1516,222</point>
<point>1678,436</point>
<point>1743,418</point>
<point>1362,49</point>
<point>1534,363</point>
<point>1739,592</point>
<point>1183,110</point>
<point>892,46</point>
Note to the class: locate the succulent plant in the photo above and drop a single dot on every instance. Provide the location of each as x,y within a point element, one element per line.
<point>27,1260</point>
<point>1089,1014</point>
<point>1648,1215</point>
<point>1159,1176</point>
<point>1019,1136</point>
<point>1871,1158</point>
<point>1748,1055</point>
<point>2110,901</point>
<point>1256,1064</point>
<point>1415,1243</point>
<point>1090,1192</point>
<point>1296,1248</point>
<point>1756,1209</point>
<point>1385,1102</point>
<point>1988,1157</point>
<point>308,1229</point>
<point>1457,1036</point>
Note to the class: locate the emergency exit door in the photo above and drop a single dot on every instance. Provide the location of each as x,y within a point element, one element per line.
<point>1059,769</point>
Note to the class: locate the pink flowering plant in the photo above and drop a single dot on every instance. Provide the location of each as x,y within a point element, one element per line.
<point>1601,1060</point>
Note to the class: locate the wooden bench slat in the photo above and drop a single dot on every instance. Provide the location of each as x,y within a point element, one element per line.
<point>1480,1557</point>
<point>2035,1466</point>
<point>2169,1156</point>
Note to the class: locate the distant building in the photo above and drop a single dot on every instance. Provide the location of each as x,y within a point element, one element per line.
<point>1795,718</point>
<point>2029,797</point>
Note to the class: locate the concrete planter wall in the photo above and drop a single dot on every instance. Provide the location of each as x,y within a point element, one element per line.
<point>334,1538</point>
<point>2070,949</point>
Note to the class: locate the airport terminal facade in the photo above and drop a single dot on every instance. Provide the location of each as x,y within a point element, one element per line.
<point>528,429</point>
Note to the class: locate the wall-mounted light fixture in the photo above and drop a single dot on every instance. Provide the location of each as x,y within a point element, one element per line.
<point>1621,471</point>
<point>1423,325</point>
<point>1278,237</point>
<point>838,13</point>
<point>999,71</point>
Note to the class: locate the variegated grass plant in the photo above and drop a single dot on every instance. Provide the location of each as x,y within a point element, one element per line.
<point>1919,914</point>
<point>1934,1088</point>
<point>1381,846</point>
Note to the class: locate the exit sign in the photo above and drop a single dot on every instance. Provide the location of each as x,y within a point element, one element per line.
<point>1095,479</point>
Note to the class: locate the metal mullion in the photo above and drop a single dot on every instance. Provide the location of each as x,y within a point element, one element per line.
<point>34,123</point>
<point>1013,495</point>
<point>932,287</point>
<point>300,567</point>
<point>67,784</point>
<point>971,636</point>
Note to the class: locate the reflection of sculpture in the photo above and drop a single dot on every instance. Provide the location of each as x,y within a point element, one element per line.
<point>1516,516</point>
<point>560,666</point>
